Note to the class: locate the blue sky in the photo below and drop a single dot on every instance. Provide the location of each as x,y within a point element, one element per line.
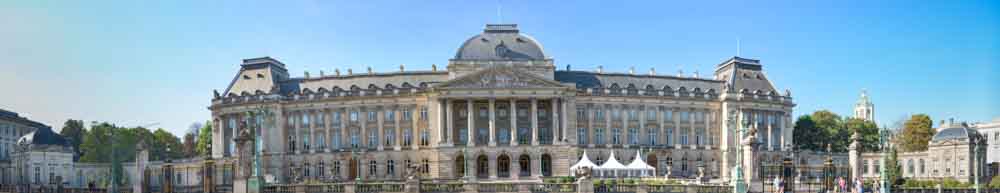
<point>142,62</point>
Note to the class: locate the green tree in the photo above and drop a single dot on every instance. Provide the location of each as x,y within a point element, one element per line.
<point>73,131</point>
<point>868,131</point>
<point>205,139</point>
<point>807,136</point>
<point>96,146</point>
<point>169,146</point>
<point>831,127</point>
<point>893,168</point>
<point>916,133</point>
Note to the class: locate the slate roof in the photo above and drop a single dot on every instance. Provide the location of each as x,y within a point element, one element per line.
<point>42,136</point>
<point>960,132</point>
<point>500,42</point>
<point>584,79</point>
<point>14,117</point>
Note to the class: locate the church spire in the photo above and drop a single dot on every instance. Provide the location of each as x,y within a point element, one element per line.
<point>864,109</point>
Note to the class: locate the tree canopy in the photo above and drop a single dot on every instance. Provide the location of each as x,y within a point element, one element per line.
<point>917,131</point>
<point>73,131</point>
<point>205,139</point>
<point>816,130</point>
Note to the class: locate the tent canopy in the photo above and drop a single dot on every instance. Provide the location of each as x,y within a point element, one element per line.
<point>638,163</point>
<point>612,163</point>
<point>584,162</point>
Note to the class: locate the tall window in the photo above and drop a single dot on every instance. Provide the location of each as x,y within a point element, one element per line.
<point>425,166</point>
<point>321,169</point>
<point>305,119</point>
<point>670,136</point>
<point>390,167</point>
<point>423,113</point>
<point>407,137</point>
<point>651,115</point>
<point>699,137</point>
<point>355,139</point>
<point>616,115</point>
<point>390,137</point>
<point>523,135</point>
<point>336,168</point>
<point>354,116</point>
<point>616,135</point>
<point>668,115</point>
<point>685,116</point>
<point>633,115</point>
<point>425,137</point>
<point>652,136</point>
<point>407,115</point>
<point>390,115</point>
<point>372,115</point>
<point>581,136</point>
<point>321,141</point>
<point>599,136</point>
<point>599,114</point>
<point>372,168</point>
<point>336,118</point>
<point>633,136</point>
<point>320,119</point>
<point>684,136</point>
<point>866,168</point>
<point>372,139</point>
<point>335,139</point>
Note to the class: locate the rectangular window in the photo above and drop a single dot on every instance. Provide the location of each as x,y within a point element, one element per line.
<point>355,139</point>
<point>407,137</point>
<point>581,136</point>
<point>321,141</point>
<point>616,115</point>
<point>336,118</point>
<point>372,116</point>
<point>685,116</point>
<point>650,115</point>
<point>425,138</point>
<point>423,113</point>
<point>616,135</point>
<point>372,139</point>
<point>407,115</point>
<point>633,136</point>
<point>390,137</point>
<point>305,120</point>
<point>335,140</point>
<point>599,136</point>
<point>599,114</point>
<point>684,136</point>
<point>320,119</point>
<point>633,115</point>
<point>354,116</point>
<point>652,136</point>
<point>390,115</point>
<point>581,114</point>
<point>390,167</point>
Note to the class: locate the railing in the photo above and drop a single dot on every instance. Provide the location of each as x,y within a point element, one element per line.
<point>497,188</point>
<point>188,189</point>
<point>441,188</point>
<point>375,188</point>
<point>325,188</point>
<point>553,188</point>
<point>616,188</point>
<point>667,188</point>
<point>279,189</point>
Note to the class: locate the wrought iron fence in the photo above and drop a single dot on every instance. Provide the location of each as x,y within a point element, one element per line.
<point>441,188</point>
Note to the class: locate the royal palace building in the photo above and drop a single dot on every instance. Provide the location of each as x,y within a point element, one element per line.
<point>500,111</point>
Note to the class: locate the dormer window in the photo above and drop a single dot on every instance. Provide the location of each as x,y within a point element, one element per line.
<point>259,75</point>
<point>246,77</point>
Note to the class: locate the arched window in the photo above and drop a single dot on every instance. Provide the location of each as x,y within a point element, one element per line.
<point>482,166</point>
<point>459,165</point>
<point>525,164</point>
<point>503,166</point>
<point>546,165</point>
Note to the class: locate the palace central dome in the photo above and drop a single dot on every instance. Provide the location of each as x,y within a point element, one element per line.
<point>500,42</point>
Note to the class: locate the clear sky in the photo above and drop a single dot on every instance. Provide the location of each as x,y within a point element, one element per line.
<point>142,62</point>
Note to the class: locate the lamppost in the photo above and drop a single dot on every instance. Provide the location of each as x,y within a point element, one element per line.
<point>885,146</point>
<point>976,142</point>
<point>739,184</point>
<point>113,188</point>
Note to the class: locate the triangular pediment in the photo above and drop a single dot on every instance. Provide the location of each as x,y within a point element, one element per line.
<point>500,77</point>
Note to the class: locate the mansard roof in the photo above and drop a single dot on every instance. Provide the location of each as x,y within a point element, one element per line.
<point>584,79</point>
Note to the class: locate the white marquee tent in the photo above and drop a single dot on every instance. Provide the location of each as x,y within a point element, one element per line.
<point>613,168</point>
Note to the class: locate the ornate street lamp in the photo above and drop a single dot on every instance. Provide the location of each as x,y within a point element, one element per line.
<point>737,181</point>
<point>885,145</point>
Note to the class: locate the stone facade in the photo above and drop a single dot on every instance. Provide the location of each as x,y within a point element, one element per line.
<point>12,127</point>
<point>951,153</point>
<point>501,111</point>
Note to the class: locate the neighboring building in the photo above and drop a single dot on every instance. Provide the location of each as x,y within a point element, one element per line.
<point>42,158</point>
<point>500,110</point>
<point>991,131</point>
<point>951,153</point>
<point>12,127</point>
<point>864,109</point>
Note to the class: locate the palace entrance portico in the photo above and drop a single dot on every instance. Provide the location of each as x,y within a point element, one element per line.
<point>501,107</point>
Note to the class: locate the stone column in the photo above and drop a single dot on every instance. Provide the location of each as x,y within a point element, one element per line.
<point>380,121</point>
<point>770,131</point>
<point>398,134</point>
<point>449,122</point>
<point>415,129</point>
<point>607,126</point>
<point>327,120</point>
<point>677,128</point>
<point>625,130</point>
<point>568,108</point>
<point>513,123</point>
<point>590,126</point>
<point>854,156</point>
<point>642,124</point>
<point>470,116</point>
<point>534,121</point>
<point>692,134</point>
<point>554,106</point>
<point>661,133</point>
<point>363,119</point>
<point>345,136</point>
<point>493,125</point>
